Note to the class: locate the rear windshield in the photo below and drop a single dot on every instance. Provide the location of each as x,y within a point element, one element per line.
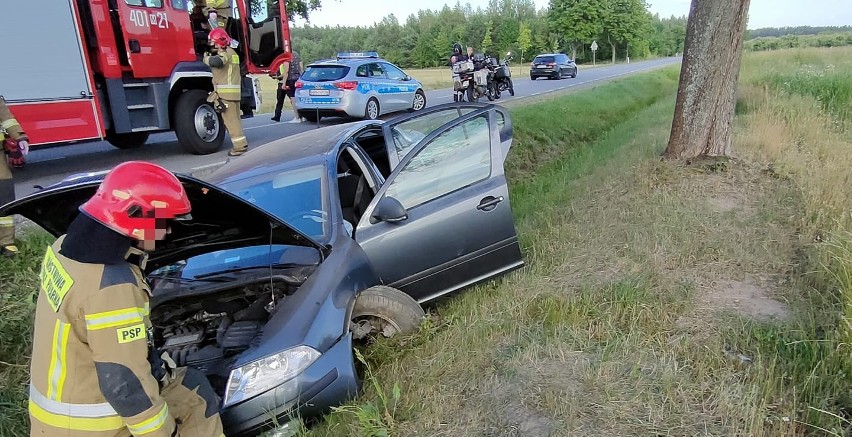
<point>544,59</point>
<point>325,73</point>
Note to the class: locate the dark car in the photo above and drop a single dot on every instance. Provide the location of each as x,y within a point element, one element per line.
<point>553,66</point>
<point>299,249</point>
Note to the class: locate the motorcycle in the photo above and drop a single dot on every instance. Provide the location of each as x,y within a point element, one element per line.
<point>501,74</point>
<point>472,76</point>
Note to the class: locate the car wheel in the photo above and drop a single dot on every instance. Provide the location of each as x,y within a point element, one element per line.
<point>532,77</point>
<point>371,112</point>
<point>419,101</point>
<point>574,76</point>
<point>199,128</point>
<point>385,311</point>
<point>129,140</point>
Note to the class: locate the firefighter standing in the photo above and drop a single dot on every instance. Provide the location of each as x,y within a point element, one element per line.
<point>15,145</point>
<point>93,371</point>
<point>226,95</point>
<point>288,74</point>
<point>218,12</point>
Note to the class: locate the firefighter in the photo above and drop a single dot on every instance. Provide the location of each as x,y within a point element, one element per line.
<point>94,370</point>
<point>287,75</point>
<point>226,96</point>
<point>218,13</point>
<point>16,146</point>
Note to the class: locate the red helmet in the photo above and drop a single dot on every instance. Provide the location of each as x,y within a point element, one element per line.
<point>137,197</point>
<point>220,37</point>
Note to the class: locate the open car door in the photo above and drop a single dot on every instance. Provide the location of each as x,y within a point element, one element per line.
<point>265,34</point>
<point>442,219</point>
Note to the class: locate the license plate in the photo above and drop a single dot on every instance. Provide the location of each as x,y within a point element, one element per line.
<point>319,92</point>
<point>541,66</point>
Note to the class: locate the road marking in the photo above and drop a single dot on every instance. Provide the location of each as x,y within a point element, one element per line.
<point>204,167</point>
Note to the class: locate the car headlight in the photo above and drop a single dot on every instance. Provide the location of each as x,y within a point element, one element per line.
<point>261,375</point>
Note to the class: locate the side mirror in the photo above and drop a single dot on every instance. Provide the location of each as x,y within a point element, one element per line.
<point>390,210</point>
<point>406,78</point>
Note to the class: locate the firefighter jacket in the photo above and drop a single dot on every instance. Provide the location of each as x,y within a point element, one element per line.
<point>90,371</point>
<point>225,64</point>
<point>8,124</point>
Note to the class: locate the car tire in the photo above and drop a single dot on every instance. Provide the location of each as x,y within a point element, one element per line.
<point>372,109</point>
<point>422,99</point>
<point>533,77</point>
<point>386,311</point>
<point>574,76</point>
<point>199,128</point>
<point>129,140</point>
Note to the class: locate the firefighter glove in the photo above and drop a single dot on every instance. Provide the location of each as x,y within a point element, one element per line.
<point>13,152</point>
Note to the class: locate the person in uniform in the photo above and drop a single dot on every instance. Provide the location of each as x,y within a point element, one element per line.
<point>457,56</point>
<point>287,75</point>
<point>94,371</point>
<point>218,13</point>
<point>226,95</point>
<point>15,144</point>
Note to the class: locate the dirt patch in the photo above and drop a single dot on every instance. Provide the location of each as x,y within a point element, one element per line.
<point>749,298</point>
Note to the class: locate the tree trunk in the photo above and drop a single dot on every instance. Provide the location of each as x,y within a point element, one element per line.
<point>706,96</point>
<point>613,49</point>
<point>574,51</point>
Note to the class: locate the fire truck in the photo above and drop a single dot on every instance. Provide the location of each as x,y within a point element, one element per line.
<point>120,70</point>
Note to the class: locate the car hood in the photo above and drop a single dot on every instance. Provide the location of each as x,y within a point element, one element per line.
<point>220,220</point>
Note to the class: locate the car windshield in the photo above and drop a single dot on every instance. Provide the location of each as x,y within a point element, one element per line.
<point>544,59</point>
<point>296,196</point>
<point>325,73</point>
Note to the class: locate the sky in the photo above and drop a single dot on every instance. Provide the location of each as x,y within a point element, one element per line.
<point>763,13</point>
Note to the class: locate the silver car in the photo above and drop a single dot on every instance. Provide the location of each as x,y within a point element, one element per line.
<point>360,85</point>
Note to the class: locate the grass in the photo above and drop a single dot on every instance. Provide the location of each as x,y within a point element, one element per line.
<point>657,299</point>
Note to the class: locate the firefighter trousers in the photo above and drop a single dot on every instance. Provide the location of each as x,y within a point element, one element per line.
<point>193,404</point>
<point>234,125</point>
<point>7,194</point>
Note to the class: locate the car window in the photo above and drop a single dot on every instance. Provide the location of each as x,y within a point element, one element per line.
<point>393,72</point>
<point>361,71</point>
<point>325,73</point>
<point>295,196</point>
<point>375,70</point>
<point>458,158</point>
<point>410,132</point>
<point>544,59</point>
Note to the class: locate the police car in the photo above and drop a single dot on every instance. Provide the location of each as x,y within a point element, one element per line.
<point>358,85</point>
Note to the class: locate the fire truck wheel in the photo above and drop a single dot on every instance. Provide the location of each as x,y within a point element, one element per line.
<point>198,126</point>
<point>130,140</point>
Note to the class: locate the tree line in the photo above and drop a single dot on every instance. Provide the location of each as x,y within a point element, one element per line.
<point>621,28</point>
<point>798,30</point>
<point>836,39</point>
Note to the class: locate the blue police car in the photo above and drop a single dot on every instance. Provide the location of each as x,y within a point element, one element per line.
<point>360,85</point>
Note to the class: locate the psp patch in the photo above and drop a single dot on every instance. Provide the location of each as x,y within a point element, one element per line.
<point>131,333</point>
<point>55,281</point>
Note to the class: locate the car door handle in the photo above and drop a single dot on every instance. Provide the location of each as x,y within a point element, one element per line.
<point>489,203</point>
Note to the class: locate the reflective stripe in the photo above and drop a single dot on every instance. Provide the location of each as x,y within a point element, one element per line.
<point>235,59</point>
<point>111,319</point>
<point>238,138</point>
<point>151,424</point>
<point>56,377</point>
<point>227,87</point>
<point>62,421</point>
<point>7,221</point>
<point>66,409</point>
<point>9,123</point>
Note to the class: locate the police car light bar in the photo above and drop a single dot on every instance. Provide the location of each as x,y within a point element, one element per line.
<point>355,55</point>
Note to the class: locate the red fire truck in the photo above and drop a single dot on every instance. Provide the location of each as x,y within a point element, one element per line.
<point>120,70</point>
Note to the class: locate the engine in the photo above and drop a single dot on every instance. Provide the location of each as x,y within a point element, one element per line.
<point>207,333</point>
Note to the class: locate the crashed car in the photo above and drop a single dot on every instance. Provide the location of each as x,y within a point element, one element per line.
<point>307,245</point>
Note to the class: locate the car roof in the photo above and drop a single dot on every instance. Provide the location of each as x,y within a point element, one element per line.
<point>349,62</point>
<point>314,146</point>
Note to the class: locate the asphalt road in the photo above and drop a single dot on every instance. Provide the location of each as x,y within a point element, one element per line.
<point>50,165</point>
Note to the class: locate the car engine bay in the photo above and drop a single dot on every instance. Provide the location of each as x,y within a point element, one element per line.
<point>208,332</point>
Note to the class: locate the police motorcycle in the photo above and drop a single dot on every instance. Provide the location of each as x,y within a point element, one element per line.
<point>502,76</point>
<point>472,76</point>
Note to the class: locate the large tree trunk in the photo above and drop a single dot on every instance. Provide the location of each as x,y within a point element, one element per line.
<point>706,96</point>
<point>613,49</point>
